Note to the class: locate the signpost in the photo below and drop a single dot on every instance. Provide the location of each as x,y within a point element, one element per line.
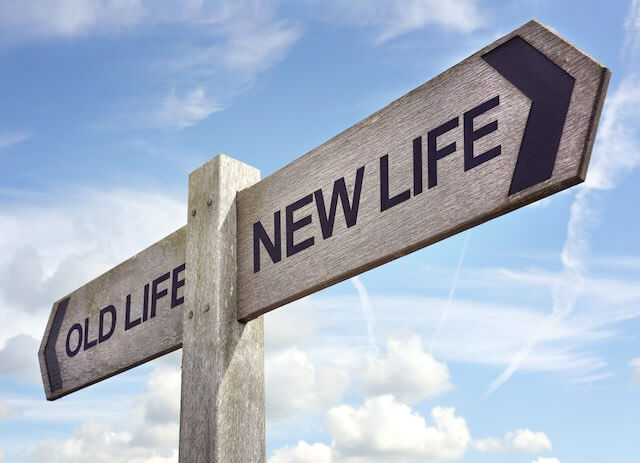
<point>129,315</point>
<point>507,126</point>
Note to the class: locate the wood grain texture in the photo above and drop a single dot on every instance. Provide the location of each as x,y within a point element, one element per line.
<point>124,349</point>
<point>461,199</point>
<point>222,407</point>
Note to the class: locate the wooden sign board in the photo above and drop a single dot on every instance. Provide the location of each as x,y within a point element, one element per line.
<point>507,126</point>
<point>125,317</point>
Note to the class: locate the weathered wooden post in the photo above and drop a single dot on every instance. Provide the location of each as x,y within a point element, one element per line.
<point>222,406</point>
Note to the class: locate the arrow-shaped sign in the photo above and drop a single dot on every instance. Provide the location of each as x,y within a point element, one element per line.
<point>507,126</point>
<point>129,315</point>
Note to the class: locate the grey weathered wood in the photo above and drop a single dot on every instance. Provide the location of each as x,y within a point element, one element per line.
<point>125,348</point>
<point>462,199</point>
<point>222,407</point>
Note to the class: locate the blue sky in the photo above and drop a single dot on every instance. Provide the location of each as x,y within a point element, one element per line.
<point>109,105</point>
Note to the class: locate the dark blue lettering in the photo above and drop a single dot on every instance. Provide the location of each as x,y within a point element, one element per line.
<point>417,166</point>
<point>294,225</point>
<point>175,285</point>
<point>350,210</point>
<point>274,248</point>
<point>471,135</point>
<point>88,344</point>
<point>102,336</point>
<point>72,352</point>
<point>387,202</point>
<point>434,154</point>
<point>155,295</point>
<point>145,304</point>
<point>128,323</point>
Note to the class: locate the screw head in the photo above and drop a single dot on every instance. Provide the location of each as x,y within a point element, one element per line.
<point>193,212</point>
<point>190,314</point>
<point>207,307</point>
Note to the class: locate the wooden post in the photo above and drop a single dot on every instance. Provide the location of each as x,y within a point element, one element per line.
<point>222,398</point>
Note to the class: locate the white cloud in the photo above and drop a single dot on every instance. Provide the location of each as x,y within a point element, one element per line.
<point>395,18</point>
<point>383,429</point>
<point>488,445</point>
<point>149,433</point>
<point>635,366</point>
<point>51,244</point>
<point>528,441</point>
<point>293,384</point>
<point>9,139</point>
<point>179,112</point>
<point>521,440</point>
<point>546,460</point>
<point>406,371</point>
<point>302,453</point>
<point>18,359</point>
<point>290,325</point>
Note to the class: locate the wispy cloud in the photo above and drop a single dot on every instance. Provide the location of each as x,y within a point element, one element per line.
<point>492,330</point>
<point>224,45</point>
<point>179,112</point>
<point>367,310</point>
<point>228,45</point>
<point>452,292</point>
<point>242,38</point>
<point>9,139</point>
<point>30,19</point>
<point>392,19</point>
<point>616,153</point>
<point>632,30</point>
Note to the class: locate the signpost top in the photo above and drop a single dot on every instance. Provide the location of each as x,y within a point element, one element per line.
<point>507,126</point>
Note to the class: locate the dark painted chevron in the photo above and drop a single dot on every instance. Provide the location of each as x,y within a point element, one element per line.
<point>549,87</point>
<point>50,356</point>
